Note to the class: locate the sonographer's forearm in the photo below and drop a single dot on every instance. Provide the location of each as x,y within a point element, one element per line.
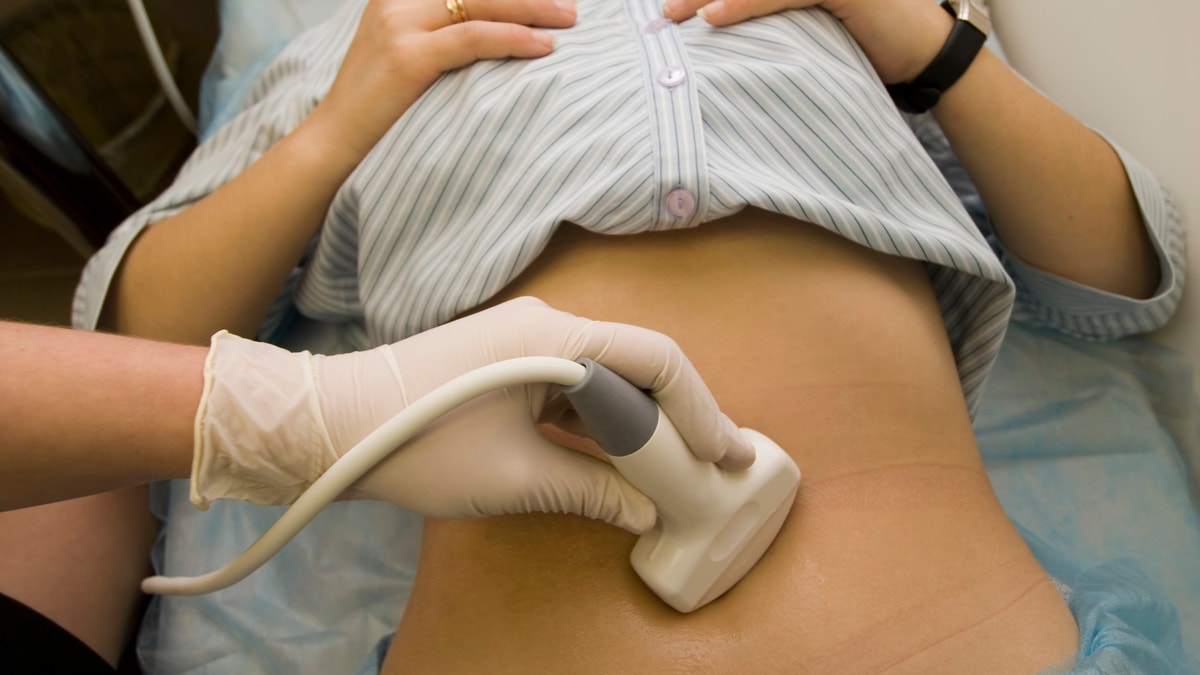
<point>83,413</point>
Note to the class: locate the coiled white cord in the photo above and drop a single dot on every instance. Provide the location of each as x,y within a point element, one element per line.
<point>159,63</point>
<point>366,454</point>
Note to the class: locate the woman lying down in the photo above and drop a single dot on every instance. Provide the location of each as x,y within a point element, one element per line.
<point>743,185</point>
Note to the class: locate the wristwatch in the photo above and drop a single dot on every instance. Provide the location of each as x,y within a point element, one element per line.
<point>971,28</point>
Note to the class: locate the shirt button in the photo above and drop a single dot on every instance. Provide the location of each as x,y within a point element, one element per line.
<point>671,77</point>
<point>656,25</point>
<point>681,203</point>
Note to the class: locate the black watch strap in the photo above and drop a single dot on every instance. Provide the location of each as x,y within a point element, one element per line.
<point>950,63</point>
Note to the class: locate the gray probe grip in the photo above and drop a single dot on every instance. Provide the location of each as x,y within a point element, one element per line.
<point>620,417</point>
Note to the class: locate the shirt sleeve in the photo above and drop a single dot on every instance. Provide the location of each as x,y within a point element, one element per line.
<point>1051,301</point>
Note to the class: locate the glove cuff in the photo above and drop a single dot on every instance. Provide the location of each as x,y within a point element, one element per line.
<point>259,434</point>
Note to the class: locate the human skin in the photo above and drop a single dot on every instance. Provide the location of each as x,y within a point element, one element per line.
<point>896,555</point>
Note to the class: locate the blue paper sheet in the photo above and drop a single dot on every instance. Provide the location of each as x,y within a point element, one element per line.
<point>1092,449</point>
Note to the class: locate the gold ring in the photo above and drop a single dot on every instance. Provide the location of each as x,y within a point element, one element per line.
<point>458,11</point>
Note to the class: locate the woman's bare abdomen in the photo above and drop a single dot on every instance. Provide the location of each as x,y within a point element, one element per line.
<point>896,555</point>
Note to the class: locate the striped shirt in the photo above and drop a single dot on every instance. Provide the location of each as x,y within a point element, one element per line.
<point>636,124</point>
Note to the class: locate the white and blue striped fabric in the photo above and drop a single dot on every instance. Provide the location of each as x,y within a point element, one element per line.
<point>633,124</point>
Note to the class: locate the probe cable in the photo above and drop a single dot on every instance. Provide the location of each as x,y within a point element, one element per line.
<point>159,63</point>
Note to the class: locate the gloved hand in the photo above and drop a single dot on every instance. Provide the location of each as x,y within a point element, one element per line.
<point>271,422</point>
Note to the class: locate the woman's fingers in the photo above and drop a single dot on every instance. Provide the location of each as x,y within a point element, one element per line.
<point>402,46</point>
<point>726,12</point>
<point>460,32</point>
<point>465,43</point>
<point>542,13</point>
<point>682,10</point>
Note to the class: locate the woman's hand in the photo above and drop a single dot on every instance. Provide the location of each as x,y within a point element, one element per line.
<point>402,46</point>
<point>900,37</point>
<point>272,422</point>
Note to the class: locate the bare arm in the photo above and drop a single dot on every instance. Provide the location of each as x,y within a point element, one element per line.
<point>220,263</point>
<point>1057,193</point>
<point>85,413</point>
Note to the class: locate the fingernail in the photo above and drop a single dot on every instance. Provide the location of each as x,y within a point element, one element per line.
<point>667,9</point>
<point>566,6</point>
<point>544,38</point>
<point>718,6</point>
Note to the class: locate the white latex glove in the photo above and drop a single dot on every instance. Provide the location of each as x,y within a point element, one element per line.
<point>271,422</point>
